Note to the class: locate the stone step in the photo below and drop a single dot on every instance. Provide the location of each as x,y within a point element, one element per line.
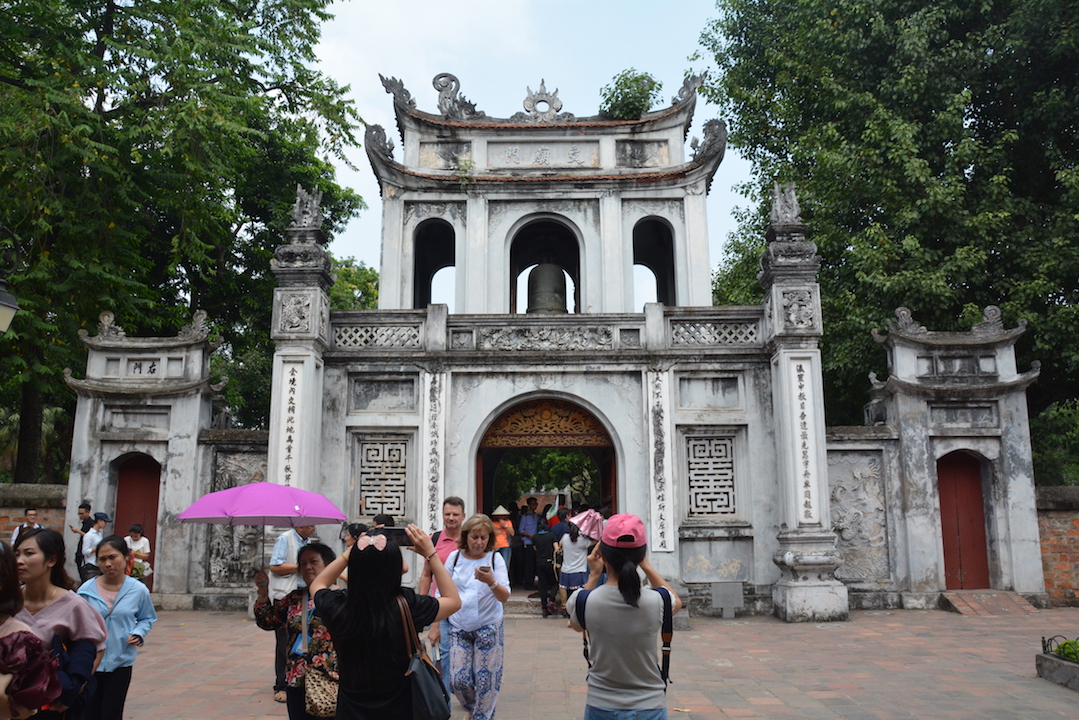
<point>986,603</point>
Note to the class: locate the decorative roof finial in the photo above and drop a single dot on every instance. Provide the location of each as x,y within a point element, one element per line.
<point>306,211</point>
<point>785,210</point>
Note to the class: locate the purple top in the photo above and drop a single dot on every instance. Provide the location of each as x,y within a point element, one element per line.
<point>70,617</point>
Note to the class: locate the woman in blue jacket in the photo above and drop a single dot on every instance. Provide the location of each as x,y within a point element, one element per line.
<point>125,604</point>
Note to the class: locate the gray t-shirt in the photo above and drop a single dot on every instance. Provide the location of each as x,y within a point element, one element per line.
<point>624,648</point>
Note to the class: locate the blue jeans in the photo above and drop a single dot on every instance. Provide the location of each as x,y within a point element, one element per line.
<point>594,713</point>
<point>444,653</point>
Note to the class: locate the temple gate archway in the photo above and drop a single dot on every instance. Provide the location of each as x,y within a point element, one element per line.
<point>545,423</point>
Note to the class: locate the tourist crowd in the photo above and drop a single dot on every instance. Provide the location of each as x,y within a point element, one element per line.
<point>68,654</point>
<point>344,622</point>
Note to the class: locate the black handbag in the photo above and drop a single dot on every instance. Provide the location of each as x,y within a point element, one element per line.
<point>430,701</point>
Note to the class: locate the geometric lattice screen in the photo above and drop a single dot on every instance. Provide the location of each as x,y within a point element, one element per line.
<point>710,469</point>
<point>382,471</point>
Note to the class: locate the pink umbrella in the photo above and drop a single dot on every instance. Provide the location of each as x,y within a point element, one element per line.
<point>263,503</point>
<point>590,522</point>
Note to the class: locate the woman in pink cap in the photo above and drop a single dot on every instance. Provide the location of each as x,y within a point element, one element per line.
<point>623,627</point>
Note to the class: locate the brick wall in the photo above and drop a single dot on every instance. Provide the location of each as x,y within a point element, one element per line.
<point>47,517</point>
<point>1058,525</point>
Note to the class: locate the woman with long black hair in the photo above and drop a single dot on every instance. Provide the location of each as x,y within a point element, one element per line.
<point>623,627</point>
<point>72,629</point>
<point>366,626</point>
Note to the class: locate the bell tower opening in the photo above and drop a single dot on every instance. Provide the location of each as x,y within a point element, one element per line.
<point>535,249</point>
<point>433,250</point>
<point>653,248</point>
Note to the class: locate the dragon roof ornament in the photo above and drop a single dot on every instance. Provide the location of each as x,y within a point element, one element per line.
<point>689,88</point>
<point>396,87</point>
<point>451,103</point>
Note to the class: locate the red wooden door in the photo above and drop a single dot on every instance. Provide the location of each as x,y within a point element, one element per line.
<point>138,485</point>
<point>962,520</point>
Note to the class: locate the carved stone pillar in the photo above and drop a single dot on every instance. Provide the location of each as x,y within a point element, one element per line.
<point>300,328</point>
<point>807,590</point>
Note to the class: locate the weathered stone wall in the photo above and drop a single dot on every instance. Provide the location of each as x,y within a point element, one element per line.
<point>1058,524</point>
<point>49,500</point>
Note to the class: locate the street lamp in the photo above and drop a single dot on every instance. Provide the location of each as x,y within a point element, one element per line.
<point>8,306</point>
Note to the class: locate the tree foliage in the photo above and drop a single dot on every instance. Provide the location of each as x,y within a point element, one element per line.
<point>934,146</point>
<point>524,470</point>
<point>355,286</point>
<point>630,95</point>
<point>149,154</point>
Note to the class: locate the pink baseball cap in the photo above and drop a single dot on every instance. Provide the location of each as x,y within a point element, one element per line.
<point>624,531</point>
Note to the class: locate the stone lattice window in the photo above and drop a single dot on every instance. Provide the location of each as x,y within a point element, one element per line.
<point>710,469</point>
<point>382,471</point>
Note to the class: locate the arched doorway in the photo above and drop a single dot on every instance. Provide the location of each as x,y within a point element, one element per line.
<point>962,522</point>
<point>545,423</point>
<point>138,485</point>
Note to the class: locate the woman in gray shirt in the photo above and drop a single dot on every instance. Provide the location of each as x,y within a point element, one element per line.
<point>623,627</point>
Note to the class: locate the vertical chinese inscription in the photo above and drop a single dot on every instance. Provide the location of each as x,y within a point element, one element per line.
<point>293,373</point>
<point>805,453</point>
<point>710,469</point>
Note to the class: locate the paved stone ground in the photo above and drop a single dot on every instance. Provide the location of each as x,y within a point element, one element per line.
<point>893,665</point>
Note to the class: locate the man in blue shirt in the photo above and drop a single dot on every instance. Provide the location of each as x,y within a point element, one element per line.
<point>529,521</point>
<point>284,579</point>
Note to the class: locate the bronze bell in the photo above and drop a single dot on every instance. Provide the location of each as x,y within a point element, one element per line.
<point>547,290</point>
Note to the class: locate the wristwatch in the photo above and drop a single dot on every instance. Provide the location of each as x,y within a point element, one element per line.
<point>493,585</point>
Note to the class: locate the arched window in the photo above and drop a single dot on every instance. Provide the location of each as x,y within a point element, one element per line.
<point>653,247</point>
<point>545,241</point>
<point>433,249</point>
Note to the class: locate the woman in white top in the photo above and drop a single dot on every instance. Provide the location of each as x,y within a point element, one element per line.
<point>139,545</point>
<point>574,545</point>
<point>476,635</point>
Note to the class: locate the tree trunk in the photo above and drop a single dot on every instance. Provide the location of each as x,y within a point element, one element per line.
<point>28,464</point>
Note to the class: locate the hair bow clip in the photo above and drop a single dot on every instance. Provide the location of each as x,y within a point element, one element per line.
<point>378,541</point>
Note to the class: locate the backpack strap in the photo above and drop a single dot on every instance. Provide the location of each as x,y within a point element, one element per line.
<point>435,536</point>
<point>666,635</point>
<point>582,595</point>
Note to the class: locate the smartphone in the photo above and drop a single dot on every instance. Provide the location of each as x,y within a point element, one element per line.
<point>397,535</point>
<point>485,568</point>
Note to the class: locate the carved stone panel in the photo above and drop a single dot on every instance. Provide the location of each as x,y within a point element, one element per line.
<point>709,392</point>
<point>444,155</point>
<point>710,472</point>
<point>296,313</point>
<point>234,552</point>
<point>544,338</point>
<point>980,415</point>
<point>859,514</point>
<point>642,153</point>
<point>382,473</point>
<point>798,310</point>
<point>383,394</point>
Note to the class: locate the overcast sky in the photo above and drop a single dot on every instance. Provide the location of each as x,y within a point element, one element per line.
<point>498,49</point>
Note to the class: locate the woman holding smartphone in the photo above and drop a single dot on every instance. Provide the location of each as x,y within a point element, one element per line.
<point>476,636</point>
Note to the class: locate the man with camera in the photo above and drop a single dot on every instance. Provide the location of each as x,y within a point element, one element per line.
<point>453,514</point>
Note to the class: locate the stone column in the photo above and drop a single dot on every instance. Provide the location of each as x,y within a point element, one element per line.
<point>807,590</point>
<point>301,330</point>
